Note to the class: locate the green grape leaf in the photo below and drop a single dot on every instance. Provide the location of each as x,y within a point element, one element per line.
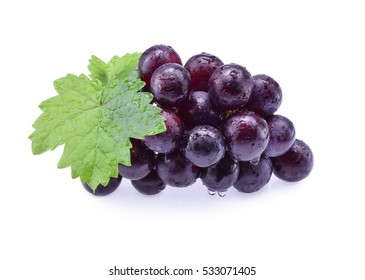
<point>95,118</point>
<point>118,68</point>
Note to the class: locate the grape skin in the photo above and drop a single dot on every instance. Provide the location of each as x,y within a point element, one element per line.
<point>220,176</point>
<point>154,57</point>
<point>175,170</point>
<point>169,140</point>
<point>201,67</point>
<point>149,185</point>
<point>199,110</point>
<point>251,177</point>
<point>296,164</point>
<point>282,135</point>
<point>170,84</point>
<point>101,190</point>
<point>247,135</point>
<point>230,86</point>
<point>205,146</point>
<point>142,162</point>
<point>266,96</point>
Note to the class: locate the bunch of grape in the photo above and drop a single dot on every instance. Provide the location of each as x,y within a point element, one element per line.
<point>221,126</point>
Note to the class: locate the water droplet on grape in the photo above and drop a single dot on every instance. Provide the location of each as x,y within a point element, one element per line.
<point>222,194</point>
<point>212,192</point>
<point>255,161</point>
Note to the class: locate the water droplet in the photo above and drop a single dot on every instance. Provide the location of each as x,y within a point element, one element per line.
<point>222,194</point>
<point>255,161</point>
<point>212,192</point>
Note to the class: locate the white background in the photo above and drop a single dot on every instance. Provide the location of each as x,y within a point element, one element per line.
<point>52,229</point>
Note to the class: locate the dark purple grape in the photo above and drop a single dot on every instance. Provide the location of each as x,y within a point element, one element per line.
<point>153,58</point>
<point>170,84</point>
<point>169,140</point>
<point>266,96</point>
<point>295,164</point>
<point>199,110</point>
<point>220,176</point>
<point>104,190</point>
<point>247,135</point>
<point>149,185</point>
<point>201,67</point>
<point>230,86</point>
<point>142,162</point>
<point>282,135</point>
<point>175,170</point>
<point>252,178</point>
<point>204,146</point>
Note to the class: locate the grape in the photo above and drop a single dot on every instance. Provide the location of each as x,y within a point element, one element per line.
<point>142,162</point>
<point>170,84</point>
<point>201,67</point>
<point>221,125</point>
<point>199,110</point>
<point>153,58</point>
<point>266,95</point>
<point>108,189</point>
<point>251,177</point>
<point>282,135</point>
<point>205,146</point>
<point>220,176</point>
<point>295,164</point>
<point>169,140</point>
<point>149,185</point>
<point>175,170</point>
<point>230,86</point>
<point>247,135</point>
